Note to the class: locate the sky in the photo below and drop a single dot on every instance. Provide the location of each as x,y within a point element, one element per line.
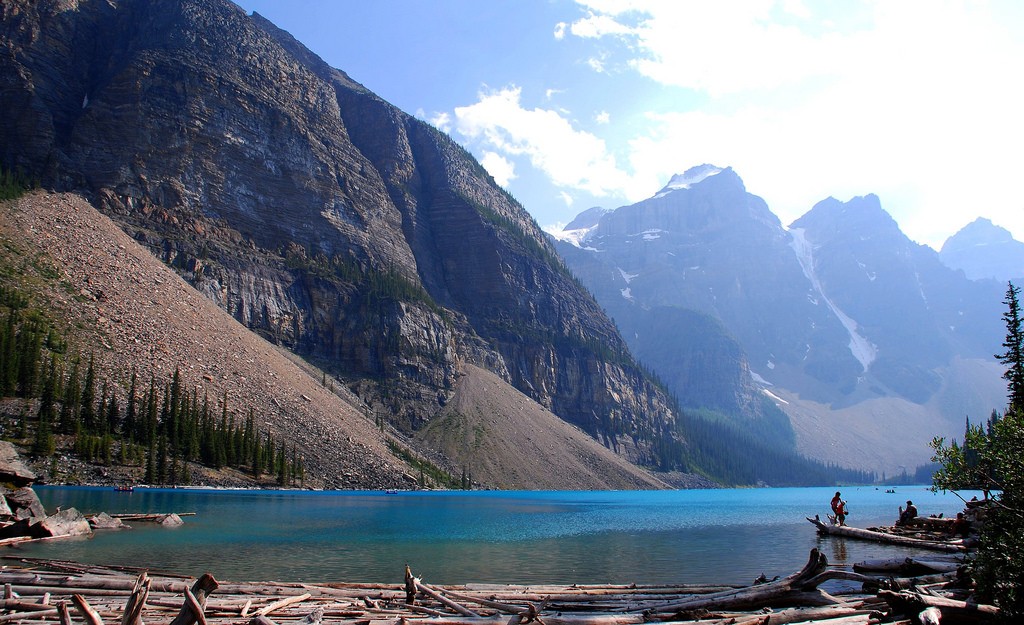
<point>573,104</point>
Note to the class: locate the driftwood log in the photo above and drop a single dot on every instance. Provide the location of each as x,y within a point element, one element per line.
<point>882,537</point>
<point>951,609</point>
<point>41,591</point>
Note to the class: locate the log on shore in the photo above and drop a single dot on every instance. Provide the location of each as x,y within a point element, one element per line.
<point>35,596</point>
<point>913,603</point>
<point>759,595</point>
<point>906,566</point>
<point>882,537</point>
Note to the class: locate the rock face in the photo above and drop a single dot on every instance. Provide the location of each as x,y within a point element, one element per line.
<point>905,313</point>
<point>12,469</point>
<point>314,212</point>
<point>68,522</point>
<point>104,521</point>
<point>25,504</point>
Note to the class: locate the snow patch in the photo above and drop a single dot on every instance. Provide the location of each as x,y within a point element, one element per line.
<point>628,277</point>
<point>690,178</point>
<point>574,237</point>
<point>774,397</point>
<point>651,235</point>
<point>862,349</point>
<point>627,294</point>
<point>759,380</point>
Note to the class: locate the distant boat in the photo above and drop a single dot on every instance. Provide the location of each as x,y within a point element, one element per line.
<point>124,489</point>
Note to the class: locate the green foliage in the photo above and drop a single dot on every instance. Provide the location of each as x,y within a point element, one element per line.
<point>990,459</point>
<point>379,286</point>
<point>115,425</point>
<point>1013,357</point>
<point>12,184</point>
<point>427,469</point>
<point>738,457</point>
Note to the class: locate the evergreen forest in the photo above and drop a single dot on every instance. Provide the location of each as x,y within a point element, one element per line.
<point>158,427</point>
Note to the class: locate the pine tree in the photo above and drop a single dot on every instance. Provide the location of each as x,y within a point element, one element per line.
<point>270,455</point>
<point>151,473</point>
<point>30,346</point>
<point>257,456</point>
<point>48,396</point>
<point>113,415</point>
<point>72,397</point>
<point>87,416</point>
<point>45,444</point>
<point>161,461</point>
<point>130,426</point>
<point>991,459</point>
<point>1013,357</point>
<point>294,465</point>
<point>151,422</point>
<point>282,467</point>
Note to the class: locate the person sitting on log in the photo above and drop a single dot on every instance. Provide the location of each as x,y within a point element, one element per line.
<point>908,515</point>
<point>838,510</point>
<point>961,526</point>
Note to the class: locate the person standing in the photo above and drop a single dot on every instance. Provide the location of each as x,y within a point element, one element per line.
<point>839,509</point>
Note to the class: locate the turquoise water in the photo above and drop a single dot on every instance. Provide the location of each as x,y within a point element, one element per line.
<point>645,537</point>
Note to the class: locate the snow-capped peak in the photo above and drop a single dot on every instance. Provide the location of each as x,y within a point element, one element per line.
<point>578,229</point>
<point>691,177</point>
<point>575,237</point>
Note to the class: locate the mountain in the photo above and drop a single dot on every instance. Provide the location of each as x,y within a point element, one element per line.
<point>316,214</point>
<point>89,273</point>
<point>907,313</point>
<point>983,250</point>
<point>840,320</point>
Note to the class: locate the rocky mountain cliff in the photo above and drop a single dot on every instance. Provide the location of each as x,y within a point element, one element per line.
<point>841,320</point>
<point>312,211</point>
<point>984,251</point>
<point>136,316</point>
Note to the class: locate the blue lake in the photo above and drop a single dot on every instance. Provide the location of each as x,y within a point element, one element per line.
<point>646,537</point>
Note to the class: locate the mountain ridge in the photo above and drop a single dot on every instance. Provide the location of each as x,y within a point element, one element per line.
<point>170,327</point>
<point>834,315</point>
<point>318,215</point>
<point>985,251</point>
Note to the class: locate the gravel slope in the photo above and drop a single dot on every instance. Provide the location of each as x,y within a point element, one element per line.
<point>135,312</point>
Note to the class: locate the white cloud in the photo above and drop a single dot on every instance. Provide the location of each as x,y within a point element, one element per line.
<point>560,29</point>
<point>566,198</point>
<point>500,168</point>
<point>602,117</point>
<point>599,25</point>
<point>914,101</point>
<point>442,121</point>
<point>569,157</point>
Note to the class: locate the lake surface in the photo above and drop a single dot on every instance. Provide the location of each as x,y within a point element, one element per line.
<point>727,536</point>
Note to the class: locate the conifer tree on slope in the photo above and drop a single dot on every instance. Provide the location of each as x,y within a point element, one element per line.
<point>991,460</point>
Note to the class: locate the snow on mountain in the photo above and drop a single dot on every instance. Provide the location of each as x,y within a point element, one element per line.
<point>691,177</point>
<point>574,237</point>
<point>862,349</point>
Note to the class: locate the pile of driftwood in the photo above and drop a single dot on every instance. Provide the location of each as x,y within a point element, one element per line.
<point>38,591</point>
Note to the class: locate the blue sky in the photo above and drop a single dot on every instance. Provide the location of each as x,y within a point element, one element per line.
<point>598,102</point>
